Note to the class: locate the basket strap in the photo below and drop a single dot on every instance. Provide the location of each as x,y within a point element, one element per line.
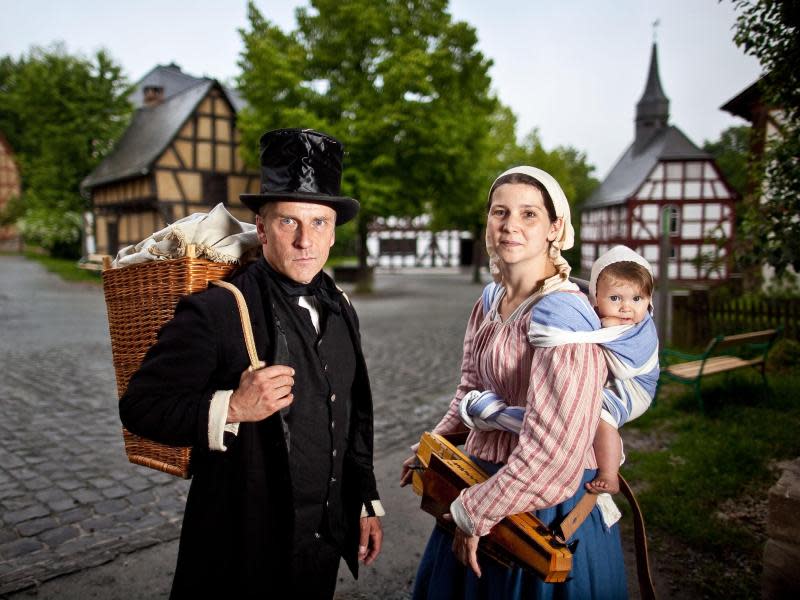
<point>247,328</point>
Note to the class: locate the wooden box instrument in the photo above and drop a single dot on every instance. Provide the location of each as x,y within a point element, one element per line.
<point>519,540</point>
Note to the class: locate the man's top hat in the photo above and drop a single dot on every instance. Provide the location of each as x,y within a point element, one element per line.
<point>302,165</point>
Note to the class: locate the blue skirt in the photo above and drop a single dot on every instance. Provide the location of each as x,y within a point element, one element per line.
<point>598,568</point>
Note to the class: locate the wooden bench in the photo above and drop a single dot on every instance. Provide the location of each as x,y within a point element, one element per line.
<point>94,262</point>
<point>719,357</point>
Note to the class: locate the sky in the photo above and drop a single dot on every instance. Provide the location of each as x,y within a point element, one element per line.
<point>572,69</point>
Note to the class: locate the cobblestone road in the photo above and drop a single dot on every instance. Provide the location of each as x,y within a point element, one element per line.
<point>69,498</point>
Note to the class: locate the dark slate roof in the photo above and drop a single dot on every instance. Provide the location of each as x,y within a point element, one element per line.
<point>174,81</point>
<point>150,132</point>
<point>632,168</point>
<point>235,98</point>
<point>153,128</point>
<point>742,104</point>
<point>169,77</point>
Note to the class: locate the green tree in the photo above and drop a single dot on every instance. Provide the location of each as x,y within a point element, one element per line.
<point>770,31</point>
<point>61,114</point>
<point>400,82</point>
<point>732,154</point>
<point>272,66</point>
<point>497,151</point>
<point>583,183</point>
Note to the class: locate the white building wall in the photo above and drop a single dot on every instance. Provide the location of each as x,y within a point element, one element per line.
<point>704,213</point>
<point>447,249</point>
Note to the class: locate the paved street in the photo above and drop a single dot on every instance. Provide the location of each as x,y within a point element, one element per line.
<point>69,498</point>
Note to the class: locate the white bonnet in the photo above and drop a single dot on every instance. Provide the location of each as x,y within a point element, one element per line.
<point>615,255</point>
<point>566,239</point>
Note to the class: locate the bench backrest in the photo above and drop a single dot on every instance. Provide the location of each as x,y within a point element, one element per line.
<point>755,337</point>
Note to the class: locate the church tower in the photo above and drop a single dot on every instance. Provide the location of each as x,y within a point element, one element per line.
<point>662,168</point>
<point>652,110</point>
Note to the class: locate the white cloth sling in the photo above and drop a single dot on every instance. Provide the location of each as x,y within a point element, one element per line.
<point>568,319</point>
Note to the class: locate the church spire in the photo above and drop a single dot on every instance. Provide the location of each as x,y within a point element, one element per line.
<point>652,110</point>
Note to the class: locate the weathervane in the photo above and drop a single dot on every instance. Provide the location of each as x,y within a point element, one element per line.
<point>656,23</point>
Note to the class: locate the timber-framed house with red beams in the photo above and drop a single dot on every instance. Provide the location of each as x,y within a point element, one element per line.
<point>10,187</point>
<point>180,155</point>
<point>663,169</point>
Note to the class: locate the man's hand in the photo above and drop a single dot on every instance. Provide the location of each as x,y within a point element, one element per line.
<point>261,393</point>
<point>369,543</point>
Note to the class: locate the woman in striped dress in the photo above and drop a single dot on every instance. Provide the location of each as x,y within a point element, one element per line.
<point>543,469</point>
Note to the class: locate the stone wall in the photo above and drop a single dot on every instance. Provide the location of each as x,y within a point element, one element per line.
<point>781,576</point>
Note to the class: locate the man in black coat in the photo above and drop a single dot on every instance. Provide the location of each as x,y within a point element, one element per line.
<point>283,483</point>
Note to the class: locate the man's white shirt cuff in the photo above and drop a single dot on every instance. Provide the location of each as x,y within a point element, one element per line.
<point>377,507</point>
<point>217,415</point>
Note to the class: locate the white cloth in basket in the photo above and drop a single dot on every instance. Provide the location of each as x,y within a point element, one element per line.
<point>217,235</point>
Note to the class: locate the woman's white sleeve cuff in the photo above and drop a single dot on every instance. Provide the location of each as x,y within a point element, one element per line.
<point>217,415</point>
<point>460,517</point>
<point>377,508</point>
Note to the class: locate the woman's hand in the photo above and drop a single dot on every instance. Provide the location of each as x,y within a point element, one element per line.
<point>465,547</point>
<point>408,470</point>
<point>409,465</point>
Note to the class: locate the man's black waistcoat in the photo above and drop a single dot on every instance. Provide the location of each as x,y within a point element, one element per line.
<point>317,419</point>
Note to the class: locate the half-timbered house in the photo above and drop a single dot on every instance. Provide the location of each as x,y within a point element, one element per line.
<point>750,104</point>
<point>10,187</point>
<point>410,242</point>
<point>766,122</point>
<point>663,172</point>
<point>179,155</point>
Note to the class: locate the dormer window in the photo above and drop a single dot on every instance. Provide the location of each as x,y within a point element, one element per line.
<point>153,94</point>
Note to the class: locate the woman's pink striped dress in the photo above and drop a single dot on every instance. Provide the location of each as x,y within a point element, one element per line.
<point>560,389</point>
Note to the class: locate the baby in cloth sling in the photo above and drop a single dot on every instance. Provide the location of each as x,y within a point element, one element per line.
<point>620,288</point>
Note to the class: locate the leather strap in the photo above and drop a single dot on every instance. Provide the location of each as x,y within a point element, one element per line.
<point>577,515</point>
<point>582,509</point>
<point>247,328</point>
<point>646,587</point>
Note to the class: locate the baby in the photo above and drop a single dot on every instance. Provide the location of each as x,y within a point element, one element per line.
<point>621,288</point>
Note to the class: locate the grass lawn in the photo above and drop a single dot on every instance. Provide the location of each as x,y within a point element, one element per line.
<point>703,484</point>
<point>65,268</point>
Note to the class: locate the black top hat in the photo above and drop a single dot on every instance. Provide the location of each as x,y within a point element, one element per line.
<point>302,165</point>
